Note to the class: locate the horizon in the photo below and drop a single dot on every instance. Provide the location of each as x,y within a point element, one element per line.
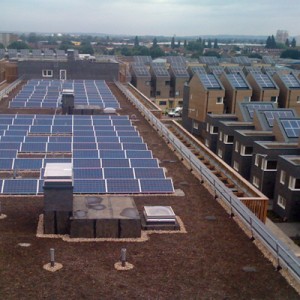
<point>152,17</point>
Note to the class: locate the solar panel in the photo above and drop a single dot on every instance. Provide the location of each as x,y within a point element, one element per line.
<point>271,115</point>
<point>141,71</point>
<point>122,186</point>
<point>6,163</point>
<point>198,69</point>
<point>9,153</point>
<point>86,163</point>
<point>33,147</point>
<point>209,81</point>
<point>138,154</point>
<point>134,146</point>
<point>291,127</point>
<point>20,186</point>
<point>85,154</point>
<point>156,186</point>
<point>28,163</point>
<point>59,147</point>
<point>111,154</point>
<point>264,80</point>
<point>141,163</point>
<point>160,70</point>
<point>290,80</point>
<point>149,173</point>
<point>86,146</point>
<point>179,70</point>
<point>89,186</point>
<point>110,146</point>
<point>118,173</point>
<point>237,81</point>
<point>87,173</point>
<point>251,107</point>
<point>9,146</point>
<point>115,163</point>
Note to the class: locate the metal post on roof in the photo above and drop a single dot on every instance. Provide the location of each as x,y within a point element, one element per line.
<point>123,257</point>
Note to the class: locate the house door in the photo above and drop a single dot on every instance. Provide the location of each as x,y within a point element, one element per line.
<point>63,74</point>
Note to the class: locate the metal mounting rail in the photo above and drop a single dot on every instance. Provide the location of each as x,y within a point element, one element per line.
<point>11,87</point>
<point>285,258</point>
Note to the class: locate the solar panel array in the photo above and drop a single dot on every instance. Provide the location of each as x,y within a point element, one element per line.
<point>252,69</point>
<point>47,94</point>
<point>179,70</point>
<point>209,81</point>
<point>209,60</point>
<point>218,70</point>
<point>233,69</point>
<point>238,81</point>
<point>198,69</point>
<point>268,60</point>
<point>251,107</point>
<point>173,60</point>
<point>270,70</point>
<point>290,80</point>
<point>291,127</point>
<point>142,59</point>
<point>107,153</point>
<point>276,114</point>
<point>140,70</point>
<point>242,60</point>
<point>160,70</point>
<point>264,80</point>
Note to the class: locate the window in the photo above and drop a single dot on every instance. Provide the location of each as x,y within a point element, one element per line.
<point>195,125</point>
<point>255,181</point>
<point>191,97</point>
<point>274,99</point>
<point>206,143</point>
<point>256,160</point>
<point>220,153</point>
<point>47,73</point>
<point>246,150</point>
<point>236,146</point>
<point>236,165</point>
<point>247,99</point>
<point>207,127</point>
<point>282,177</point>
<point>167,83</point>
<point>219,100</point>
<point>180,103</point>
<point>294,183</point>
<point>281,201</point>
<point>220,136</point>
<point>162,102</point>
<point>298,99</point>
<point>214,129</point>
<point>147,82</point>
<point>270,165</point>
<point>228,139</point>
<point>157,93</point>
<point>177,93</point>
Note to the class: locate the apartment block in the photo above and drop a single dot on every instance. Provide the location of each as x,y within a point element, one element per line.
<point>160,81</point>
<point>141,78</point>
<point>287,188</point>
<point>237,90</point>
<point>179,77</point>
<point>263,86</point>
<point>289,85</point>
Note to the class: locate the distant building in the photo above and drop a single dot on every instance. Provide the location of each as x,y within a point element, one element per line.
<point>8,38</point>
<point>281,36</point>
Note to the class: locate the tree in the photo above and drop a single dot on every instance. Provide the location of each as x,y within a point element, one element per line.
<point>212,53</point>
<point>156,52</point>
<point>154,43</point>
<point>1,46</point>
<point>178,44</point>
<point>290,53</point>
<point>287,42</point>
<point>32,38</point>
<point>86,48</point>
<point>136,42</point>
<point>209,44</point>
<point>271,43</point>
<point>173,42</point>
<point>18,45</point>
<point>216,46</point>
<point>293,43</point>
<point>184,43</point>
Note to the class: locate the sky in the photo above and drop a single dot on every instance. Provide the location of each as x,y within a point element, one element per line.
<point>152,17</point>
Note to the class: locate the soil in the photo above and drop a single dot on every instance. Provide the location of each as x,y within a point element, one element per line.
<point>215,259</point>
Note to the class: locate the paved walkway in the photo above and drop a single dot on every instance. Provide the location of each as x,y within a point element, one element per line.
<point>284,231</point>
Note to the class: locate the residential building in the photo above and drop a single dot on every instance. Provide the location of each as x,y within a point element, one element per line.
<point>263,86</point>
<point>141,78</point>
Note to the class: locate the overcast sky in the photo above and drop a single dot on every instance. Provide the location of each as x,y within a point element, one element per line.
<point>152,17</point>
